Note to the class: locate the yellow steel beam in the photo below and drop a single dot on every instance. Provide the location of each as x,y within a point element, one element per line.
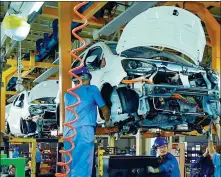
<point>25,73</point>
<point>11,93</point>
<point>170,3</point>
<point>64,27</point>
<point>53,13</point>
<point>195,133</point>
<point>49,12</point>
<point>208,42</point>
<point>96,6</point>
<point>27,64</point>
<point>31,65</point>
<point>41,28</point>
<point>6,76</point>
<point>213,28</point>
<point>34,76</point>
<point>211,3</point>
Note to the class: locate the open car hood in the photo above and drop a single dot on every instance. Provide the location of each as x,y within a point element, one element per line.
<point>46,89</point>
<point>170,27</point>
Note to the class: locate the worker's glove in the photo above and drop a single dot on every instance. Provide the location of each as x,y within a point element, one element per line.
<point>150,169</point>
<point>108,124</point>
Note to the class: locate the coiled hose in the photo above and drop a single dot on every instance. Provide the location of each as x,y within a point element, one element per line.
<point>70,108</point>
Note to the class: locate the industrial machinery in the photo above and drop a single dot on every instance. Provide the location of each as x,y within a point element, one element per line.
<point>145,86</point>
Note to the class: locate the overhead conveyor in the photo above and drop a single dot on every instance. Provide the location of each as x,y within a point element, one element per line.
<point>123,18</point>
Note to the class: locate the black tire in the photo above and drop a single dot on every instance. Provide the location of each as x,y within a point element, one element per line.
<point>23,126</point>
<point>7,130</point>
<point>129,100</point>
<point>106,92</point>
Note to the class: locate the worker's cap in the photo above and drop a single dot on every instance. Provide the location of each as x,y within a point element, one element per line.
<point>83,73</point>
<point>160,141</point>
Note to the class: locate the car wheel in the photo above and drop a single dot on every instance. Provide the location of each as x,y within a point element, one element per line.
<point>7,130</point>
<point>23,126</point>
<point>106,92</point>
<point>129,100</point>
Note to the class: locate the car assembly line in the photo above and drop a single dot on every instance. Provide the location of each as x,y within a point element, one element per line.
<point>110,89</point>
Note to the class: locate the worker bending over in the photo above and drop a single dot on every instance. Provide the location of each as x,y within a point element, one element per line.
<point>91,98</point>
<point>215,156</point>
<point>168,164</point>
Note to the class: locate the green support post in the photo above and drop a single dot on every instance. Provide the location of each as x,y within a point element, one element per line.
<point>19,164</point>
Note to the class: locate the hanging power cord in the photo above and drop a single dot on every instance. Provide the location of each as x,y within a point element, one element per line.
<point>70,108</point>
<point>19,87</point>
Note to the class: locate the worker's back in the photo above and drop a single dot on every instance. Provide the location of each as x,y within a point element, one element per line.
<point>38,156</point>
<point>170,165</point>
<point>15,154</point>
<point>87,109</point>
<point>205,164</point>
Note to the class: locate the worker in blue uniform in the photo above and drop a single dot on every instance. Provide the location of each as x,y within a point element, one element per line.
<point>205,164</point>
<point>83,153</point>
<point>169,166</point>
<point>15,153</point>
<point>38,160</point>
<point>216,159</point>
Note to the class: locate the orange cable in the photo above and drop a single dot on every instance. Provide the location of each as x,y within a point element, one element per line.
<point>136,80</point>
<point>70,108</point>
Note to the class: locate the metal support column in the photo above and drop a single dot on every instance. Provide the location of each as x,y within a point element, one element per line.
<point>147,146</point>
<point>100,161</point>
<point>6,76</point>
<point>111,141</point>
<point>59,147</point>
<point>33,159</point>
<point>138,143</point>
<point>64,28</point>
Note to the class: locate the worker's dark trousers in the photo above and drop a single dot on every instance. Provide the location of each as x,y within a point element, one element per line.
<point>38,168</point>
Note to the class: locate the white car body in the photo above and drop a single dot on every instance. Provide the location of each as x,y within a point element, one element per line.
<point>166,26</point>
<point>158,27</point>
<point>20,107</point>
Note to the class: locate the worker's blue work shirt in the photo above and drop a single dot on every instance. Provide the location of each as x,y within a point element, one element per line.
<point>216,162</point>
<point>38,156</point>
<point>87,110</point>
<point>205,164</point>
<point>169,166</point>
<point>15,154</point>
